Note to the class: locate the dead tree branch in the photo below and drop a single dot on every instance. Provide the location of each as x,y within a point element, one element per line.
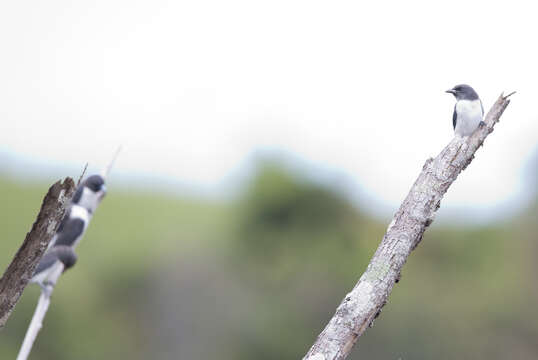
<point>20,271</point>
<point>363,304</point>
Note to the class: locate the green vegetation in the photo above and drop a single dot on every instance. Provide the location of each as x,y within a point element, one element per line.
<point>166,277</point>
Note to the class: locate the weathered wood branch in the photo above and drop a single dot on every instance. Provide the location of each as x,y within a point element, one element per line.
<point>363,304</point>
<point>20,271</point>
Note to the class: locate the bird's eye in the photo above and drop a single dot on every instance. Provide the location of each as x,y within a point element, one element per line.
<point>457,88</point>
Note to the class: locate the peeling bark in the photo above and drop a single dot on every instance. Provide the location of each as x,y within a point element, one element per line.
<point>363,304</point>
<point>20,271</point>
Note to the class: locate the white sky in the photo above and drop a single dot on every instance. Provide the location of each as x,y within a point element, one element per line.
<point>192,88</point>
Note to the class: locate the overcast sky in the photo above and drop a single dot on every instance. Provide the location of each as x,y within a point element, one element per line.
<point>192,89</point>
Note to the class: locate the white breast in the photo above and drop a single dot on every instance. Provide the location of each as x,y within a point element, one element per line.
<point>80,213</point>
<point>89,199</point>
<point>469,116</point>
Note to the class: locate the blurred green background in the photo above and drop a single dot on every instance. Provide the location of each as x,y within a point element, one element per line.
<point>257,276</point>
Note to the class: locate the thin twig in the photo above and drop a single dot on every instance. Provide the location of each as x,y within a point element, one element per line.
<point>507,96</point>
<point>82,175</point>
<point>40,311</point>
<point>106,171</point>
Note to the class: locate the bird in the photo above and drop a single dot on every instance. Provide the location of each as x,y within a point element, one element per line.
<point>83,204</point>
<point>57,254</point>
<point>71,229</point>
<point>468,110</point>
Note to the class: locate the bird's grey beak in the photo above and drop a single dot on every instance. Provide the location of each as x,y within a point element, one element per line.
<point>451,91</point>
<point>103,192</point>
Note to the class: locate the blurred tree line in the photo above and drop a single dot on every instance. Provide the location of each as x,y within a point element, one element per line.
<point>164,277</point>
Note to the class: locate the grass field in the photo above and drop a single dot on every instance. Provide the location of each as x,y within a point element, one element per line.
<point>167,277</point>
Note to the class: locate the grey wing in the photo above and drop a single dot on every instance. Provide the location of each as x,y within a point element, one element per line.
<point>454,117</point>
<point>78,195</point>
<point>72,229</point>
<point>46,262</point>
<point>64,220</point>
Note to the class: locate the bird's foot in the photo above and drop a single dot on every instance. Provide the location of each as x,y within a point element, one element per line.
<point>481,124</point>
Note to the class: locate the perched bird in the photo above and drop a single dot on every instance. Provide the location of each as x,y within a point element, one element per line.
<point>468,111</point>
<point>84,203</point>
<point>57,254</point>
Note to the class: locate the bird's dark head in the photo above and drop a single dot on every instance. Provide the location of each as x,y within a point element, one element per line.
<point>95,183</point>
<point>90,192</point>
<point>463,92</point>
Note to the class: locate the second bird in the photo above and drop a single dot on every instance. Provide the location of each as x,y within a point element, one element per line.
<point>468,111</point>
<point>84,203</point>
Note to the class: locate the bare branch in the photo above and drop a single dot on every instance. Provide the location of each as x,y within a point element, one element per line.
<point>82,175</point>
<point>507,96</point>
<point>363,304</point>
<point>106,171</point>
<point>29,254</point>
